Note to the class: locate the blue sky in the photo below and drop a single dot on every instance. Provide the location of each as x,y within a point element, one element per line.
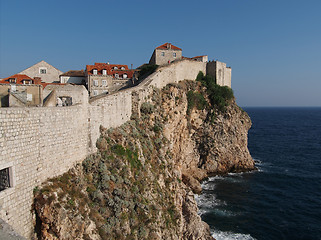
<point>273,47</point>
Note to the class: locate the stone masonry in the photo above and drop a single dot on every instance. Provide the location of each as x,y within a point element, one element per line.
<point>41,143</point>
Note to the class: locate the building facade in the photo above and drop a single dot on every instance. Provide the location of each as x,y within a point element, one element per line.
<point>165,54</point>
<point>73,76</point>
<point>20,90</point>
<point>105,78</point>
<point>43,70</point>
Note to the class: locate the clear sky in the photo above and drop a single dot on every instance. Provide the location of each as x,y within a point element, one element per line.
<point>273,47</point>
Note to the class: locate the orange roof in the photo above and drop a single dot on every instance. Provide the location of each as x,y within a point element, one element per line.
<point>19,79</point>
<point>168,46</point>
<point>110,68</point>
<point>46,84</point>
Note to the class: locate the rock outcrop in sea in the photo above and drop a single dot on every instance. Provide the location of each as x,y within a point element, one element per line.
<point>141,182</point>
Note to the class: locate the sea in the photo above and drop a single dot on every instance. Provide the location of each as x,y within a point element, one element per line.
<point>280,200</point>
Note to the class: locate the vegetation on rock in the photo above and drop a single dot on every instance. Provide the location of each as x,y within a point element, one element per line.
<point>138,184</point>
<point>219,96</point>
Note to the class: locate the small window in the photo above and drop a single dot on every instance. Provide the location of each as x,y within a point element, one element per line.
<point>115,68</point>
<point>6,178</point>
<point>104,72</point>
<point>29,97</point>
<point>163,54</point>
<point>96,83</point>
<point>95,92</point>
<point>26,81</point>
<point>116,75</point>
<point>43,70</point>
<point>104,82</point>
<point>124,75</point>
<point>174,55</point>
<point>122,68</point>
<point>12,80</point>
<point>95,71</point>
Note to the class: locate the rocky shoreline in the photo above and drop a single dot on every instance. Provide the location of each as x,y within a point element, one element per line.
<point>140,183</point>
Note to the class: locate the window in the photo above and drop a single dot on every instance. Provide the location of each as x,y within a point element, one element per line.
<point>163,54</point>
<point>6,178</point>
<point>124,75</point>
<point>95,71</point>
<point>12,80</point>
<point>104,72</point>
<point>96,83</point>
<point>26,81</point>
<point>115,68</point>
<point>42,70</point>
<point>122,68</point>
<point>104,82</point>
<point>116,75</point>
<point>95,92</point>
<point>174,54</point>
<point>29,97</point>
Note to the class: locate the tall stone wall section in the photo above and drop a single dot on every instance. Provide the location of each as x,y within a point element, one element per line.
<point>41,143</point>
<point>221,73</point>
<point>109,111</point>
<point>36,144</point>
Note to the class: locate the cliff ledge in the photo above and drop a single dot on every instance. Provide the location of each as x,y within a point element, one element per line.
<point>140,183</point>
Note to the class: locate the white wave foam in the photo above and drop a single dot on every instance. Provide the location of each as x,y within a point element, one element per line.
<point>208,186</point>
<point>224,213</point>
<point>219,235</point>
<point>208,201</point>
<point>212,179</point>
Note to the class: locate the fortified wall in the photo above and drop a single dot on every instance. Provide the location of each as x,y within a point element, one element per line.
<point>41,143</point>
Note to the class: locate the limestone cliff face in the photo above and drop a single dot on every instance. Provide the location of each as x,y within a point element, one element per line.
<point>140,184</point>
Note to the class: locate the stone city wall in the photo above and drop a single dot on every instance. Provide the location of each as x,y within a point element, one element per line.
<point>37,144</point>
<point>222,73</point>
<point>41,143</point>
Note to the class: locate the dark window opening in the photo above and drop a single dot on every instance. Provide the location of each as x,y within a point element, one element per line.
<point>5,179</point>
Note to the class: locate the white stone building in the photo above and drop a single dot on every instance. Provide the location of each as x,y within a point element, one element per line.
<point>165,54</point>
<point>43,70</point>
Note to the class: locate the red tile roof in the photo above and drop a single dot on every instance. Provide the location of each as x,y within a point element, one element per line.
<point>168,46</point>
<point>110,69</point>
<point>46,84</point>
<point>74,73</point>
<point>19,79</point>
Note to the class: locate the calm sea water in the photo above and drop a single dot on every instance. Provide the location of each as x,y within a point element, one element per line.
<point>282,200</point>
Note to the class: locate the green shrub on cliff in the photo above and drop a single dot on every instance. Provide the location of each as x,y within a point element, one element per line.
<point>219,96</point>
<point>146,70</point>
<point>195,99</point>
<point>147,108</point>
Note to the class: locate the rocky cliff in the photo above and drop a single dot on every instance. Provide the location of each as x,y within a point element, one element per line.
<point>140,183</point>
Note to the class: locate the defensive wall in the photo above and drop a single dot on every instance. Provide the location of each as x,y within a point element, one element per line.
<point>41,143</point>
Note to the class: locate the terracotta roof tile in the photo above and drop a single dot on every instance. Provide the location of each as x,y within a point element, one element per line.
<point>19,79</point>
<point>110,69</point>
<point>166,46</point>
<point>74,73</point>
